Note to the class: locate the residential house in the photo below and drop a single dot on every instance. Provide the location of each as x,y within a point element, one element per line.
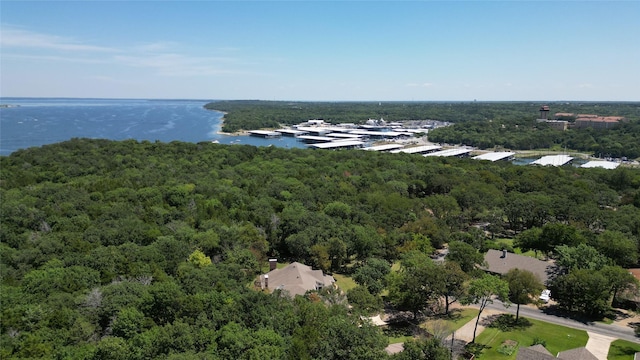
<point>296,279</point>
<point>500,262</point>
<point>539,352</point>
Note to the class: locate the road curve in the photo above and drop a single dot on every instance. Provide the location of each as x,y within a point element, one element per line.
<point>615,331</point>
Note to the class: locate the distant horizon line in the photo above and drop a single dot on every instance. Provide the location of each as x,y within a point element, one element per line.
<point>318,101</point>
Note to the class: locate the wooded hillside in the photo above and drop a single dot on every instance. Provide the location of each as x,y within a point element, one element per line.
<point>99,240</point>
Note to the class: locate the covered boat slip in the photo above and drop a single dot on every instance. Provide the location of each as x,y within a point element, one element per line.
<point>380,134</point>
<point>450,152</point>
<point>496,156</point>
<point>345,135</point>
<point>418,149</point>
<point>553,160</point>
<point>348,144</point>
<point>385,147</point>
<point>264,133</point>
<point>601,164</point>
<point>291,132</point>
<point>315,139</point>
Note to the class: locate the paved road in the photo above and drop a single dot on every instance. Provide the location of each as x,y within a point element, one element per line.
<point>615,331</point>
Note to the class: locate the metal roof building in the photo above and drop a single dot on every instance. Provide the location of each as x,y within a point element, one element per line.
<point>553,160</point>
<point>338,144</point>
<point>418,149</point>
<point>291,132</point>
<point>315,139</point>
<point>264,133</point>
<point>601,164</point>
<point>450,152</point>
<point>385,134</point>
<point>345,136</point>
<point>495,156</point>
<point>385,147</point>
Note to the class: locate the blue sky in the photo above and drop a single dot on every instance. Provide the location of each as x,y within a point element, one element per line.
<point>322,50</point>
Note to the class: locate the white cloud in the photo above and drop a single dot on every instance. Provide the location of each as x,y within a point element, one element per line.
<point>51,58</point>
<point>170,64</point>
<point>164,57</point>
<point>420,85</point>
<point>586,86</point>
<point>18,38</point>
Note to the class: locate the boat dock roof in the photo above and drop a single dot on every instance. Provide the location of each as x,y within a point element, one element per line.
<point>495,156</point>
<point>418,149</point>
<point>293,132</point>
<point>344,135</point>
<point>553,160</point>
<point>450,152</point>
<point>264,133</point>
<point>311,138</point>
<point>385,147</point>
<point>338,144</point>
<point>601,164</point>
<point>377,133</point>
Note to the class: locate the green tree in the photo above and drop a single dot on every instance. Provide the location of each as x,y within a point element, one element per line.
<point>619,280</point>
<point>454,286</point>
<point>372,275</point>
<point>199,259</point>
<point>584,291</point>
<point>482,291</point>
<point>128,323</point>
<point>465,255</point>
<point>361,299</point>
<point>580,257</point>
<point>618,247</point>
<point>428,349</point>
<point>523,287</point>
<point>530,240</point>
<point>416,285</point>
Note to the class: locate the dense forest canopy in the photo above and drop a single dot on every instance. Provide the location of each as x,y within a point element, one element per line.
<point>509,125</point>
<point>104,245</point>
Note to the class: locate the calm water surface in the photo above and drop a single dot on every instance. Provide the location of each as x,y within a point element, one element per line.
<point>35,121</point>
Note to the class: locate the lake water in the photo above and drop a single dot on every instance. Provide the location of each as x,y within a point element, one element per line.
<point>35,121</point>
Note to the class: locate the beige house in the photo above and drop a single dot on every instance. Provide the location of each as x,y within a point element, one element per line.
<point>296,279</point>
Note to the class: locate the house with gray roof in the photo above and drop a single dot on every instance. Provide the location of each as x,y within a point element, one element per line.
<point>539,352</point>
<point>500,262</point>
<point>535,352</point>
<point>296,279</point>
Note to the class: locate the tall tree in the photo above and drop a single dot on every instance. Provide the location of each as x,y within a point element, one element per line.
<point>453,283</point>
<point>465,255</point>
<point>580,257</point>
<point>416,285</point>
<point>619,280</point>
<point>482,291</point>
<point>618,247</point>
<point>372,275</point>
<point>582,290</point>
<point>427,349</point>
<point>523,285</point>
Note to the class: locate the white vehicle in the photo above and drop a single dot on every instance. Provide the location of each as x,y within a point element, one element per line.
<point>546,295</point>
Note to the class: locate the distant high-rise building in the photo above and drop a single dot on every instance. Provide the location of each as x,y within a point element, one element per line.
<point>544,112</point>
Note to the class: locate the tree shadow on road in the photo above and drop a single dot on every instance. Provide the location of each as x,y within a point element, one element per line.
<point>554,310</point>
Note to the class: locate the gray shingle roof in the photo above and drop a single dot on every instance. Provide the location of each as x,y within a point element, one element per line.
<point>297,279</point>
<point>535,352</point>
<point>499,264</point>
<point>580,353</point>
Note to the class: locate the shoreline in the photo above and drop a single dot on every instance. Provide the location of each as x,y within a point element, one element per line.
<point>220,132</point>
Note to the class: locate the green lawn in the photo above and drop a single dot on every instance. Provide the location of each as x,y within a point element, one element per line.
<point>399,339</point>
<point>458,318</point>
<point>345,283</point>
<point>557,338</point>
<point>623,350</point>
